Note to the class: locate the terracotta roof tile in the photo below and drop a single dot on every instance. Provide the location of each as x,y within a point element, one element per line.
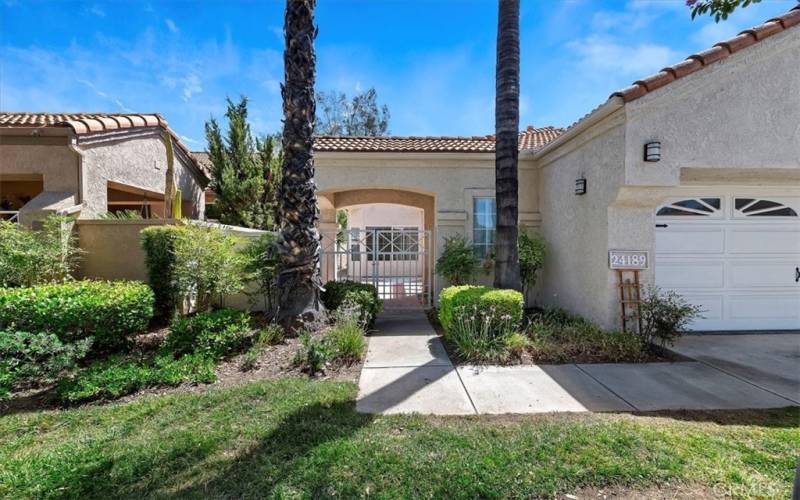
<point>86,123</point>
<point>530,138</point>
<point>718,52</point>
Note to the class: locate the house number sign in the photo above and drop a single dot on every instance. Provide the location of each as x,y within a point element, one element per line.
<point>628,259</point>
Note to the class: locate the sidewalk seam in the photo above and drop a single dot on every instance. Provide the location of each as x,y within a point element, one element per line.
<point>635,408</point>
<point>469,396</point>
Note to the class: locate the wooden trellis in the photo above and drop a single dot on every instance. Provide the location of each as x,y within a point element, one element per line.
<point>630,298</point>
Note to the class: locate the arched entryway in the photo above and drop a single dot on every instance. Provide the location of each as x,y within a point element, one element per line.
<point>387,241</point>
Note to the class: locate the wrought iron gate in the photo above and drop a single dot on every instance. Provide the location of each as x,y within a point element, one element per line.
<point>396,260</point>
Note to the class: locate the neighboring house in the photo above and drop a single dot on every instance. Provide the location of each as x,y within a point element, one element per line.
<point>716,209</point>
<point>91,163</point>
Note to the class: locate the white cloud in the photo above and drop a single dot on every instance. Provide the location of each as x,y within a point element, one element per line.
<point>190,140</point>
<point>606,54</point>
<point>191,85</point>
<point>171,25</point>
<point>97,11</point>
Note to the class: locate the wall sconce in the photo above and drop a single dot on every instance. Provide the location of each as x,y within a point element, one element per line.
<point>652,151</point>
<point>580,186</point>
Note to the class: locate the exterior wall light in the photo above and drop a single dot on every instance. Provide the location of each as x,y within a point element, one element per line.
<point>580,186</point>
<point>652,151</point>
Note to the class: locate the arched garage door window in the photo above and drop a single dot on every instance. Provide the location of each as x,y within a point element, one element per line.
<point>692,207</point>
<point>753,207</point>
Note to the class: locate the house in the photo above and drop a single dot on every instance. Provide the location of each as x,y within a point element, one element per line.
<point>695,170</point>
<point>90,164</point>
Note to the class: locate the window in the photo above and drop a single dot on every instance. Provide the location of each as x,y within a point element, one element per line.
<point>693,207</point>
<point>393,243</point>
<point>751,207</point>
<point>484,225</point>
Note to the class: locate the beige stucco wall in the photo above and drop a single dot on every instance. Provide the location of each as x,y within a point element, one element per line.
<point>55,162</point>
<point>139,161</point>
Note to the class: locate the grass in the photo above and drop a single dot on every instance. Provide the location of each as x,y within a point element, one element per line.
<point>302,438</point>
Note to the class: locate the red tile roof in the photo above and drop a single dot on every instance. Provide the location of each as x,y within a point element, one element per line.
<point>702,59</point>
<point>89,123</point>
<point>531,138</point>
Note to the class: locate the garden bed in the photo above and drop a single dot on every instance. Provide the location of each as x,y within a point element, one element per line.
<point>562,344</point>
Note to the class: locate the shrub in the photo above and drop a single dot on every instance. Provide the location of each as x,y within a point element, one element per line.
<point>106,311</point>
<point>502,302</point>
<point>30,257</point>
<point>118,376</point>
<point>215,334</point>
<point>36,358</point>
<point>314,353</point>
<point>516,344</point>
<point>363,294</point>
<point>458,262</point>
<point>261,266</point>
<point>532,251</point>
<point>158,243</point>
<point>480,335</point>
<point>346,337</point>
<point>665,316</point>
<point>207,264</point>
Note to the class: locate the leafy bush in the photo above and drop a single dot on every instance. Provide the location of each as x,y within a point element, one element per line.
<point>118,376</point>
<point>32,257</point>
<point>516,344</point>
<point>207,264</point>
<point>159,249</point>
<point>106,311</point>
<point>458,262</point>
<point>346,337</point>
<point>502,302</point>
<point>665,316</point>
<point>557,336</point>
<point>363,294</point>
<point>215,334</point>
<point>532,251</point>
<point>480,335</point>
<point>261,266</point>
<point>314,353</point>
<point>36,358</point>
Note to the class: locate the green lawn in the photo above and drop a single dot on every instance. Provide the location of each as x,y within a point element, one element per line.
<point>302,438</point>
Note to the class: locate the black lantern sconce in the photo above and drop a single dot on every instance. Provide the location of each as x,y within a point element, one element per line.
<point>652,151</point>
<point>580,186</point>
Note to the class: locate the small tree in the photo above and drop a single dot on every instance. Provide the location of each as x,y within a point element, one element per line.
<point>359,116</point>
<point>665,316</point>
<point>458,262</point>
<point>170,191</point>
<point>262,261</point>
<point>718,9</point>
<point>242,171</point>
<point>532,251</point>
<point>29,257</point>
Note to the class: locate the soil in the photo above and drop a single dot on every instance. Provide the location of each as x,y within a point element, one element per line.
<point>275,361</point>
<point>654,355</point>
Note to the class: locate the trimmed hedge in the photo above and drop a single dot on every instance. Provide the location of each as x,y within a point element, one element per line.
<point>363,294</point>
<point>483,297</point>
<point>106,311</point>
<point>158,243</point>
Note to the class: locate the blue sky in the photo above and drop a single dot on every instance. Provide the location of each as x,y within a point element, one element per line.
<point>432,62</point>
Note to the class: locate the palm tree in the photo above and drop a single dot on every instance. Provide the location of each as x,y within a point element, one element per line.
<point>299,279</point>
<point>506,117</point>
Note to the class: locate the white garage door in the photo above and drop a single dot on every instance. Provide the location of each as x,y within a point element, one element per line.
<point>736,256</point>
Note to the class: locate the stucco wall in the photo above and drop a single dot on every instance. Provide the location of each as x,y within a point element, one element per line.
<point>57,163</point>
<point>576,227</point>
<point>139,162</point>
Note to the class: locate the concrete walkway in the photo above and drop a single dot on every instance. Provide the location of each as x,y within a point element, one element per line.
<point>407,371</point>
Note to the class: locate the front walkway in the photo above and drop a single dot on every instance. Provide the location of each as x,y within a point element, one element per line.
<point>407,370</point>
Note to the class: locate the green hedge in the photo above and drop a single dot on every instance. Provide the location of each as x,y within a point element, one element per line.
<point>365,295</point>
<point>216,334</point>
<point>106,311</point>
<point>483,298</point>
<point>158,243</point>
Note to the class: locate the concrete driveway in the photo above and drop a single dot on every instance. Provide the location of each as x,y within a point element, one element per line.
<point>769,361</point>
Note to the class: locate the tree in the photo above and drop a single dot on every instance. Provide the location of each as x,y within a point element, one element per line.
<point>169,181</point>
<point>360,116</point>
<point>299,282</point>
<point>506,264</point>
<point>719,9</point>
<point>242,171</point>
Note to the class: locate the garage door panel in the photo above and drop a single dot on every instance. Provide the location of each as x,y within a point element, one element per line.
<point>761,273</point>
<point>690,274</point>
<point>768,240</point>
<point>711,306</point>
<point>695,240</point>
<point>769,307</point>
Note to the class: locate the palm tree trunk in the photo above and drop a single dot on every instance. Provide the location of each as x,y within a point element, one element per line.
<point>506,268</point>
<point>299,244</point>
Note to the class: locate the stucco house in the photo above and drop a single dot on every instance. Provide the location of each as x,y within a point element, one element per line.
<point>695,168</point>
<point>91,163</point>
